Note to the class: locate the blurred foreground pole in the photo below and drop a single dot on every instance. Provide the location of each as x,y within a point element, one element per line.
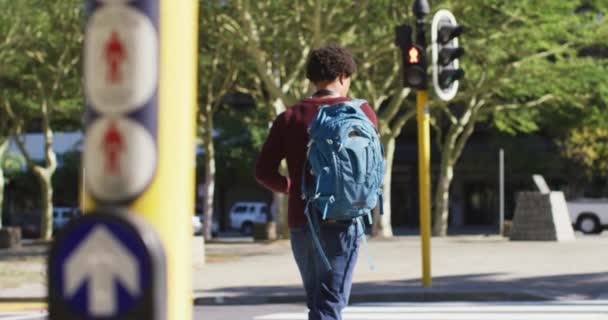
<point>167,202</point>
<point>421,8</point>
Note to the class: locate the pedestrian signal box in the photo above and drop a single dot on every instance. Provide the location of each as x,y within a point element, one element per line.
<point>414,62</point>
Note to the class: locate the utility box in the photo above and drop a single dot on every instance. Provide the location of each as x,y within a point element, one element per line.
<point>10,238</point>
<point>541,215</point>
<point>265,231</point>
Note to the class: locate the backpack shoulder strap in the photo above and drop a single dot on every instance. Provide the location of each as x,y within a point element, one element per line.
<point>357,103</point>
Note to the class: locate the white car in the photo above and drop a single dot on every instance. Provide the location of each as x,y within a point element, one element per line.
<point>197,225</point>
<point>243,215</point>
<point>589,215</point>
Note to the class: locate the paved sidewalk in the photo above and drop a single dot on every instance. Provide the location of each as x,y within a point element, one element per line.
<point>464,268</point>
<point>474,268</point>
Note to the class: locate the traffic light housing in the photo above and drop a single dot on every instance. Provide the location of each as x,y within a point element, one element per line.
<point>445,54</point>
<point>413,57</point>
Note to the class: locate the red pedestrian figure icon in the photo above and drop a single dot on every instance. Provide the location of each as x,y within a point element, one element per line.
<point>112,146</point>
<point>114,55</point>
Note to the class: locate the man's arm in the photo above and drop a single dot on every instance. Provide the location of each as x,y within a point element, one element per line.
<point>269,160</point>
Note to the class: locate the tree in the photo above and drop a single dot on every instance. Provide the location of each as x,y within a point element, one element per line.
<point>3,148</point>
<point>278,36</point>
<point>217,64</point>
<point>43,76</point>
<point>521,58</point>
<point>585,146</point>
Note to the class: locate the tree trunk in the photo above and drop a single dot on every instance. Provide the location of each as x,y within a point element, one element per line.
<point>442,196</point>
<point>455,142</point>
<point>45,174</point>
<point>209,186</point>
<point>279,205</point>
<point>3,148</point>
<point>46,201</point>
<point>1,191</point>
<point>382,224</point>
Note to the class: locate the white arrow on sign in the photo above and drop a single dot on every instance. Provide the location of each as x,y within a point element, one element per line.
<point>102,260</point>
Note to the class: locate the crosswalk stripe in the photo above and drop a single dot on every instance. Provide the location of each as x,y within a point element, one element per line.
<point>22,316</point>
<point>597,310</point>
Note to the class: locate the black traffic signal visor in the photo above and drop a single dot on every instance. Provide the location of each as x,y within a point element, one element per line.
<point>403,36</point>
<point>415,77</point>
<point>447,33</point>
<point>448,76</point>
<point>447,55</point>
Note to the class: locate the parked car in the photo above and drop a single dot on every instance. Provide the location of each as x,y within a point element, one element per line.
<point>63,215</point>
<point>198,224</point>
<point>589,215</point>
<point>243,215</point>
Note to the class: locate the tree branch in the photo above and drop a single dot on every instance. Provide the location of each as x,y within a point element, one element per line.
<point>291,78</point>
<point>257,54</point>
<point>542,54</point>
<point>393,107</point>
<point>513,106</point>
<point>16,132</point>
<point>401,121</point>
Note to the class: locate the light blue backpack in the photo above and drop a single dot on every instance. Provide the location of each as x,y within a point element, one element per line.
<point>346,159</point>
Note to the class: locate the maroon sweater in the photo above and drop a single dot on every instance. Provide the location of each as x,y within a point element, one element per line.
<point>288,139</point>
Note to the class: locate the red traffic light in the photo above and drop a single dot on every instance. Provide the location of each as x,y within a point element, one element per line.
<point>413,55</point>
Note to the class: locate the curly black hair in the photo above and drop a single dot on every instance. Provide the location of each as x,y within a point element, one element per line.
<point>328,63</point>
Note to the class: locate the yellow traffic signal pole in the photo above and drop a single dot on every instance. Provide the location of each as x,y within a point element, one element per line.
<point>421,8</point>
<point>167,204</point>
<point>424,159</point>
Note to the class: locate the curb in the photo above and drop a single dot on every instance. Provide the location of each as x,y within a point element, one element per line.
<point>23,300</point>
<point>439,296</point>
<point>451,296</point>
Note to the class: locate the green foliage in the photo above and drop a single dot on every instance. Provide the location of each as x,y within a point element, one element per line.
<point>12,164</point>
<point>240,135</point>
<point>528,49</point>
<point>586,145</point>
<point>40,62</point>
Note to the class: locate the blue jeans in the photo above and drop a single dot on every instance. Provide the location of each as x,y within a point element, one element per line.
<point>327,292</point>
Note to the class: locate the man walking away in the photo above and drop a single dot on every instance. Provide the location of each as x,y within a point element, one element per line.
<point>327,289</point>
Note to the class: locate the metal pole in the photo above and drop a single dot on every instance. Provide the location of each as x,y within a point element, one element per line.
<point>424,159</point>
<point>501,178</point>
<point>170,200</point>
<point>421,8</point>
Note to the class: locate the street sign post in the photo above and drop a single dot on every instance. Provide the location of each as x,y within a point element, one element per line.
<point>140,87</point>
<point>121,67</point>
<point>107,265</point>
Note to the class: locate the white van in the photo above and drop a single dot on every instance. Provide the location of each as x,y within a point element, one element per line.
<point>243,215</point>
<point>589,215</point>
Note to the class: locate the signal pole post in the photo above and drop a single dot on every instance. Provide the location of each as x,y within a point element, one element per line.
<point>169,203</point>
<point>421,8</point>
<point>446,73</point>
